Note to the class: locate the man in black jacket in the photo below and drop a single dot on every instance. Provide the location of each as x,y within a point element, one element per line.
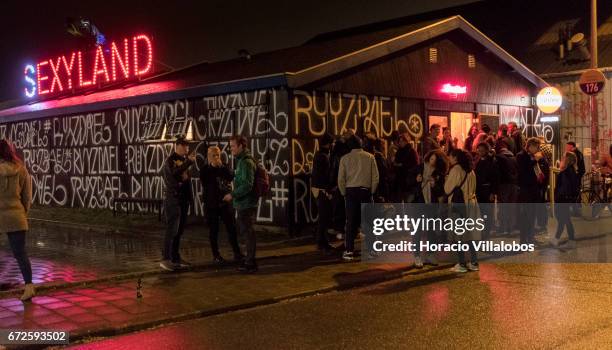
<point>216,181</point>
<point>533,175</point>
<point>507,190</point>
<point>322,191</point>
<point>177,180</point>
<point>571,147</point>
<point>486,183</point>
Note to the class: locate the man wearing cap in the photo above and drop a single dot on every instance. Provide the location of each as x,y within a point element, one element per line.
<point>178,197</point>
<point>321,189</point>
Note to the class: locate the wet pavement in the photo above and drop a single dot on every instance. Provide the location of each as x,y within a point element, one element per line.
<point>554,306</point>
<point>114,308</point>
<point>61,254</point>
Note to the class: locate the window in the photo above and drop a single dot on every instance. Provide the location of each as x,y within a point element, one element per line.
<point>433,55</point>
<point>471,61</point>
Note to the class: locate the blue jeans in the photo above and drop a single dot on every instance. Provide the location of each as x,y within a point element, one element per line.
<point>17,242</point>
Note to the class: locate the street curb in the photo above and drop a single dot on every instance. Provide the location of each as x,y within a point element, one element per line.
<point>125,276</point>
<point>379,278</point>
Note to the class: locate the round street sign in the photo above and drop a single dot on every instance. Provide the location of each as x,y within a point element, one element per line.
<point>549,100</point>
<point>592,82</point>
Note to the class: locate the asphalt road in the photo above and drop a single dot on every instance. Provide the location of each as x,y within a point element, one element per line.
<point>502,307</point>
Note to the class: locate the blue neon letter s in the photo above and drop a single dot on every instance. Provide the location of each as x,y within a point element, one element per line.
<point>29,69</point>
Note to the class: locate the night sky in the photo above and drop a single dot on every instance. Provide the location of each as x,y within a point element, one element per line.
<point>185,32</point>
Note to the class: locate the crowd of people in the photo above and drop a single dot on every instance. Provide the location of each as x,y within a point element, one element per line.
<point>487,167</point>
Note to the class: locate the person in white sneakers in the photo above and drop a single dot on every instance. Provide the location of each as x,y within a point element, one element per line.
<point>460,187</point>
<point>15,201</point>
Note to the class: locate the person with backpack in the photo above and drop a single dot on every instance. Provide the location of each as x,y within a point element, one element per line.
<point>15,202</point>
<point>460,187</point>
<point>216,180</point>
<point>244,198</point>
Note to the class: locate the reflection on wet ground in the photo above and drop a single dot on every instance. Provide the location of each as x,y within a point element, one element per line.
<point>71,255</point>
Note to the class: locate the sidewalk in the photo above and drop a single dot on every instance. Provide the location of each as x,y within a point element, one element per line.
<point>68,252</point>
<point>111,308</point>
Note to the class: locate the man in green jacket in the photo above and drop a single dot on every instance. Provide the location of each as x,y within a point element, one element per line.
<point>244,198</point>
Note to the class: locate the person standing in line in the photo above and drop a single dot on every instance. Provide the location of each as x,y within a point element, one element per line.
<point>177,180</point>
<point>606,162</point>
<point>530,177</point>
<point>448,143</point>
<point>508,189</point>
<point>406,160</point>
<point>571,147</point>
<point>503,136</point>
<point>216,180</point>
<point>517,136</point>
<point>467,145</point>
<point>430,184</point>
<point>460,187</point>
<point>244,198</point>
<point>357,181</point>
<point>339,150</point>
<point>15,202</point>
<point>431,141</point>
<point>566,192</point>
<point>322,190</point>
<point>486,184</point>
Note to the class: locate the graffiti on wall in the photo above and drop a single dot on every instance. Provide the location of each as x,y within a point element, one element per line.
<point>87,160</point>
<point>315,113</point>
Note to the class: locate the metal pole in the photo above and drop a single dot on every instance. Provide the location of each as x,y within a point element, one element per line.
<point>593,98</point>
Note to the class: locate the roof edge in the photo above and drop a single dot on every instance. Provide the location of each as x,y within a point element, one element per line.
<point>378,50</point>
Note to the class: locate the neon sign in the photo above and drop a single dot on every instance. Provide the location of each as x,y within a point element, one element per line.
<point>453,89</point>
<point>128,59</point>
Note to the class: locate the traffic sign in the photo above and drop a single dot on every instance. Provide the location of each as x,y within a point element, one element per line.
<point>592,82</point>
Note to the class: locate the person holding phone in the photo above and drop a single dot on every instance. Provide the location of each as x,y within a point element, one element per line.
<point>178,197</point>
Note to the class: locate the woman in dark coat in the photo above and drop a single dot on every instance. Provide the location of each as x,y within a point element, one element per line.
<point>216,179</point>
<point>566,192</point>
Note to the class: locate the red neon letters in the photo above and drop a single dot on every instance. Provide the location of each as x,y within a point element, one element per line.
<point>126,59</point>
<point>453,89</point>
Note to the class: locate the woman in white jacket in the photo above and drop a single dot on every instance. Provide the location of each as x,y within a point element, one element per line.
<point>461,176</point>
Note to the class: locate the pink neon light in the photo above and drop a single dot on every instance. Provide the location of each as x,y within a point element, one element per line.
<point>146,39</point>
<point>83,69</point>
<point>453,89</point>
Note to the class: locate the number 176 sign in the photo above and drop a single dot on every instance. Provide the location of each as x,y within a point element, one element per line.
<point>592,82</point>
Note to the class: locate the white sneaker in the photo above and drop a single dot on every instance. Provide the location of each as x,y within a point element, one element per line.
<point>348,256</point>
<point>472,267</point>
<point>418,263</point>
<point>571,244</point>
<point>554,241</point>
<point>168,265</point>
<point>459,269</point>
<point>28,292</point>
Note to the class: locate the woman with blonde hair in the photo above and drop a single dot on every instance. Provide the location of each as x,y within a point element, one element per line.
<point>216,180</point>
<point>566,192</point>
<point>15,201</point>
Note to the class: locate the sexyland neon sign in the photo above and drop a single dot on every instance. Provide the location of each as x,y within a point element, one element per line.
<point>127,59</point>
